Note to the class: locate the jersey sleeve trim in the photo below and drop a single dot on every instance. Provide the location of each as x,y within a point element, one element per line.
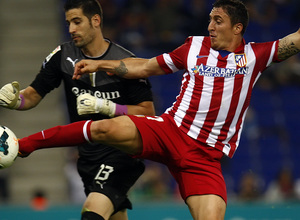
<point>166,63</point>
<point>275,58</point>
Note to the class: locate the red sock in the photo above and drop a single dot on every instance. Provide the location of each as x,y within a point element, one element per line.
<point>60,136</point>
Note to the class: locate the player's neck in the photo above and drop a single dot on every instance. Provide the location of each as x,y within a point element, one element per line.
<point>235,44</point>
<point>96,48</point>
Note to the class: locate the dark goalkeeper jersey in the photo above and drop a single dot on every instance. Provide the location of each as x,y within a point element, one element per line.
<point>59,67</point>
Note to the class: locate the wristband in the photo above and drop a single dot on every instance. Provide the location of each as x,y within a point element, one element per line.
<point>121,110</point>
<point>22,100</point>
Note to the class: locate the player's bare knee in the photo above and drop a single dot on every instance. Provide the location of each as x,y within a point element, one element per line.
<point>207,207</point>
<point>100,129</point>
<point>214,213</point>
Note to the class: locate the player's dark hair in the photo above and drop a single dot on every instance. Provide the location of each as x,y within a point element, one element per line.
<point>89,7</point>
<point>236,10</point>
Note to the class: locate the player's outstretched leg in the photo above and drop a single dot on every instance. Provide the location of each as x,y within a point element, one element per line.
<point>119,132</point>
<point>59,136</point>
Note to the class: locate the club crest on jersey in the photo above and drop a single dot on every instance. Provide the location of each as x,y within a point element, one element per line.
<point>240,60</point>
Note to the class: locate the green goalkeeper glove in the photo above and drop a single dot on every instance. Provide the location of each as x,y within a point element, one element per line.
<point>10,96</point>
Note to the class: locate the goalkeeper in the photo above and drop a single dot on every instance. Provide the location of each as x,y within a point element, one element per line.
<point>107,173</point>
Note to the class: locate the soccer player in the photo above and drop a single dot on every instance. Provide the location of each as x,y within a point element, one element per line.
<point>107,173</point>
<point>205,122</point>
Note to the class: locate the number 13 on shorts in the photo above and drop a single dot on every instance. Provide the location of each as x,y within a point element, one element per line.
<point>104,172</point>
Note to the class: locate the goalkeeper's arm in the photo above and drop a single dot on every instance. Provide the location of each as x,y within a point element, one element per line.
<point>11,97</point>
<point>88,104</point>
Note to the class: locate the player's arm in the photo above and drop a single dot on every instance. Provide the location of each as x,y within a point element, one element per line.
<point>31,98</point>
<point>88,104</point>
<point>130,68</point>
<point>143,108</point>
<point>289,45</point>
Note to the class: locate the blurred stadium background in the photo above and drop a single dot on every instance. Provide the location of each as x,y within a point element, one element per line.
<point>269,150</point>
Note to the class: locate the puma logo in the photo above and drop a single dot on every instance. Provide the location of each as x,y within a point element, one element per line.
<point>101,184</point>
<point>71,61</point>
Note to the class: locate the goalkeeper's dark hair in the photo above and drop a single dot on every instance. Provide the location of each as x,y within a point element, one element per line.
<point>236,10</point>
<point>89,7</point>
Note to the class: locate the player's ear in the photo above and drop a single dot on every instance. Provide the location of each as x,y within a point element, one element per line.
<point>96,20</point>
<point>238,28</point>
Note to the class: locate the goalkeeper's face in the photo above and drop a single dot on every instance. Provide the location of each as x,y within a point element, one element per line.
<point>82,30</point>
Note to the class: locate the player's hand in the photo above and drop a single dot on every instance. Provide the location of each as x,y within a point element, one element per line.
<point>88,104</point>
<point>84,67</point>
<point>9,95</point>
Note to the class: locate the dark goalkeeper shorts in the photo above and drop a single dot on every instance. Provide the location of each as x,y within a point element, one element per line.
<point>113,176</point>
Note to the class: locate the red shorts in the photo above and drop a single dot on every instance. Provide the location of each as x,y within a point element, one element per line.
<point>195,166</point>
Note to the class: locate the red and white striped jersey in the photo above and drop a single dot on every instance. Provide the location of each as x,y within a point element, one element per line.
<point>216,88</point>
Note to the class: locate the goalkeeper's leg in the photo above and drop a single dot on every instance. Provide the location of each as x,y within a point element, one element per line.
<point>89,215</point>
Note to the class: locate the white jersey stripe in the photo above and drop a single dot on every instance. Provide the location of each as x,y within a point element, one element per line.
<point>272,54</point>
<point>169,62</point>
<point>225,104</point>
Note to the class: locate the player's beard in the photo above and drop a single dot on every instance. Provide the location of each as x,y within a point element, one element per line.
<point>79,43</point>
<point>82,42</point>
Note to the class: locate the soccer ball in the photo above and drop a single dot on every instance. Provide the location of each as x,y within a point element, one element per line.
<point>9,147</point>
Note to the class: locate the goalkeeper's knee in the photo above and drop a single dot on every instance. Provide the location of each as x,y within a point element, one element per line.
<point>89,215</point>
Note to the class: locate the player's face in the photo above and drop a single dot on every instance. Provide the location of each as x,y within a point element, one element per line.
<point>80,28</point>
<point>221,31</point>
